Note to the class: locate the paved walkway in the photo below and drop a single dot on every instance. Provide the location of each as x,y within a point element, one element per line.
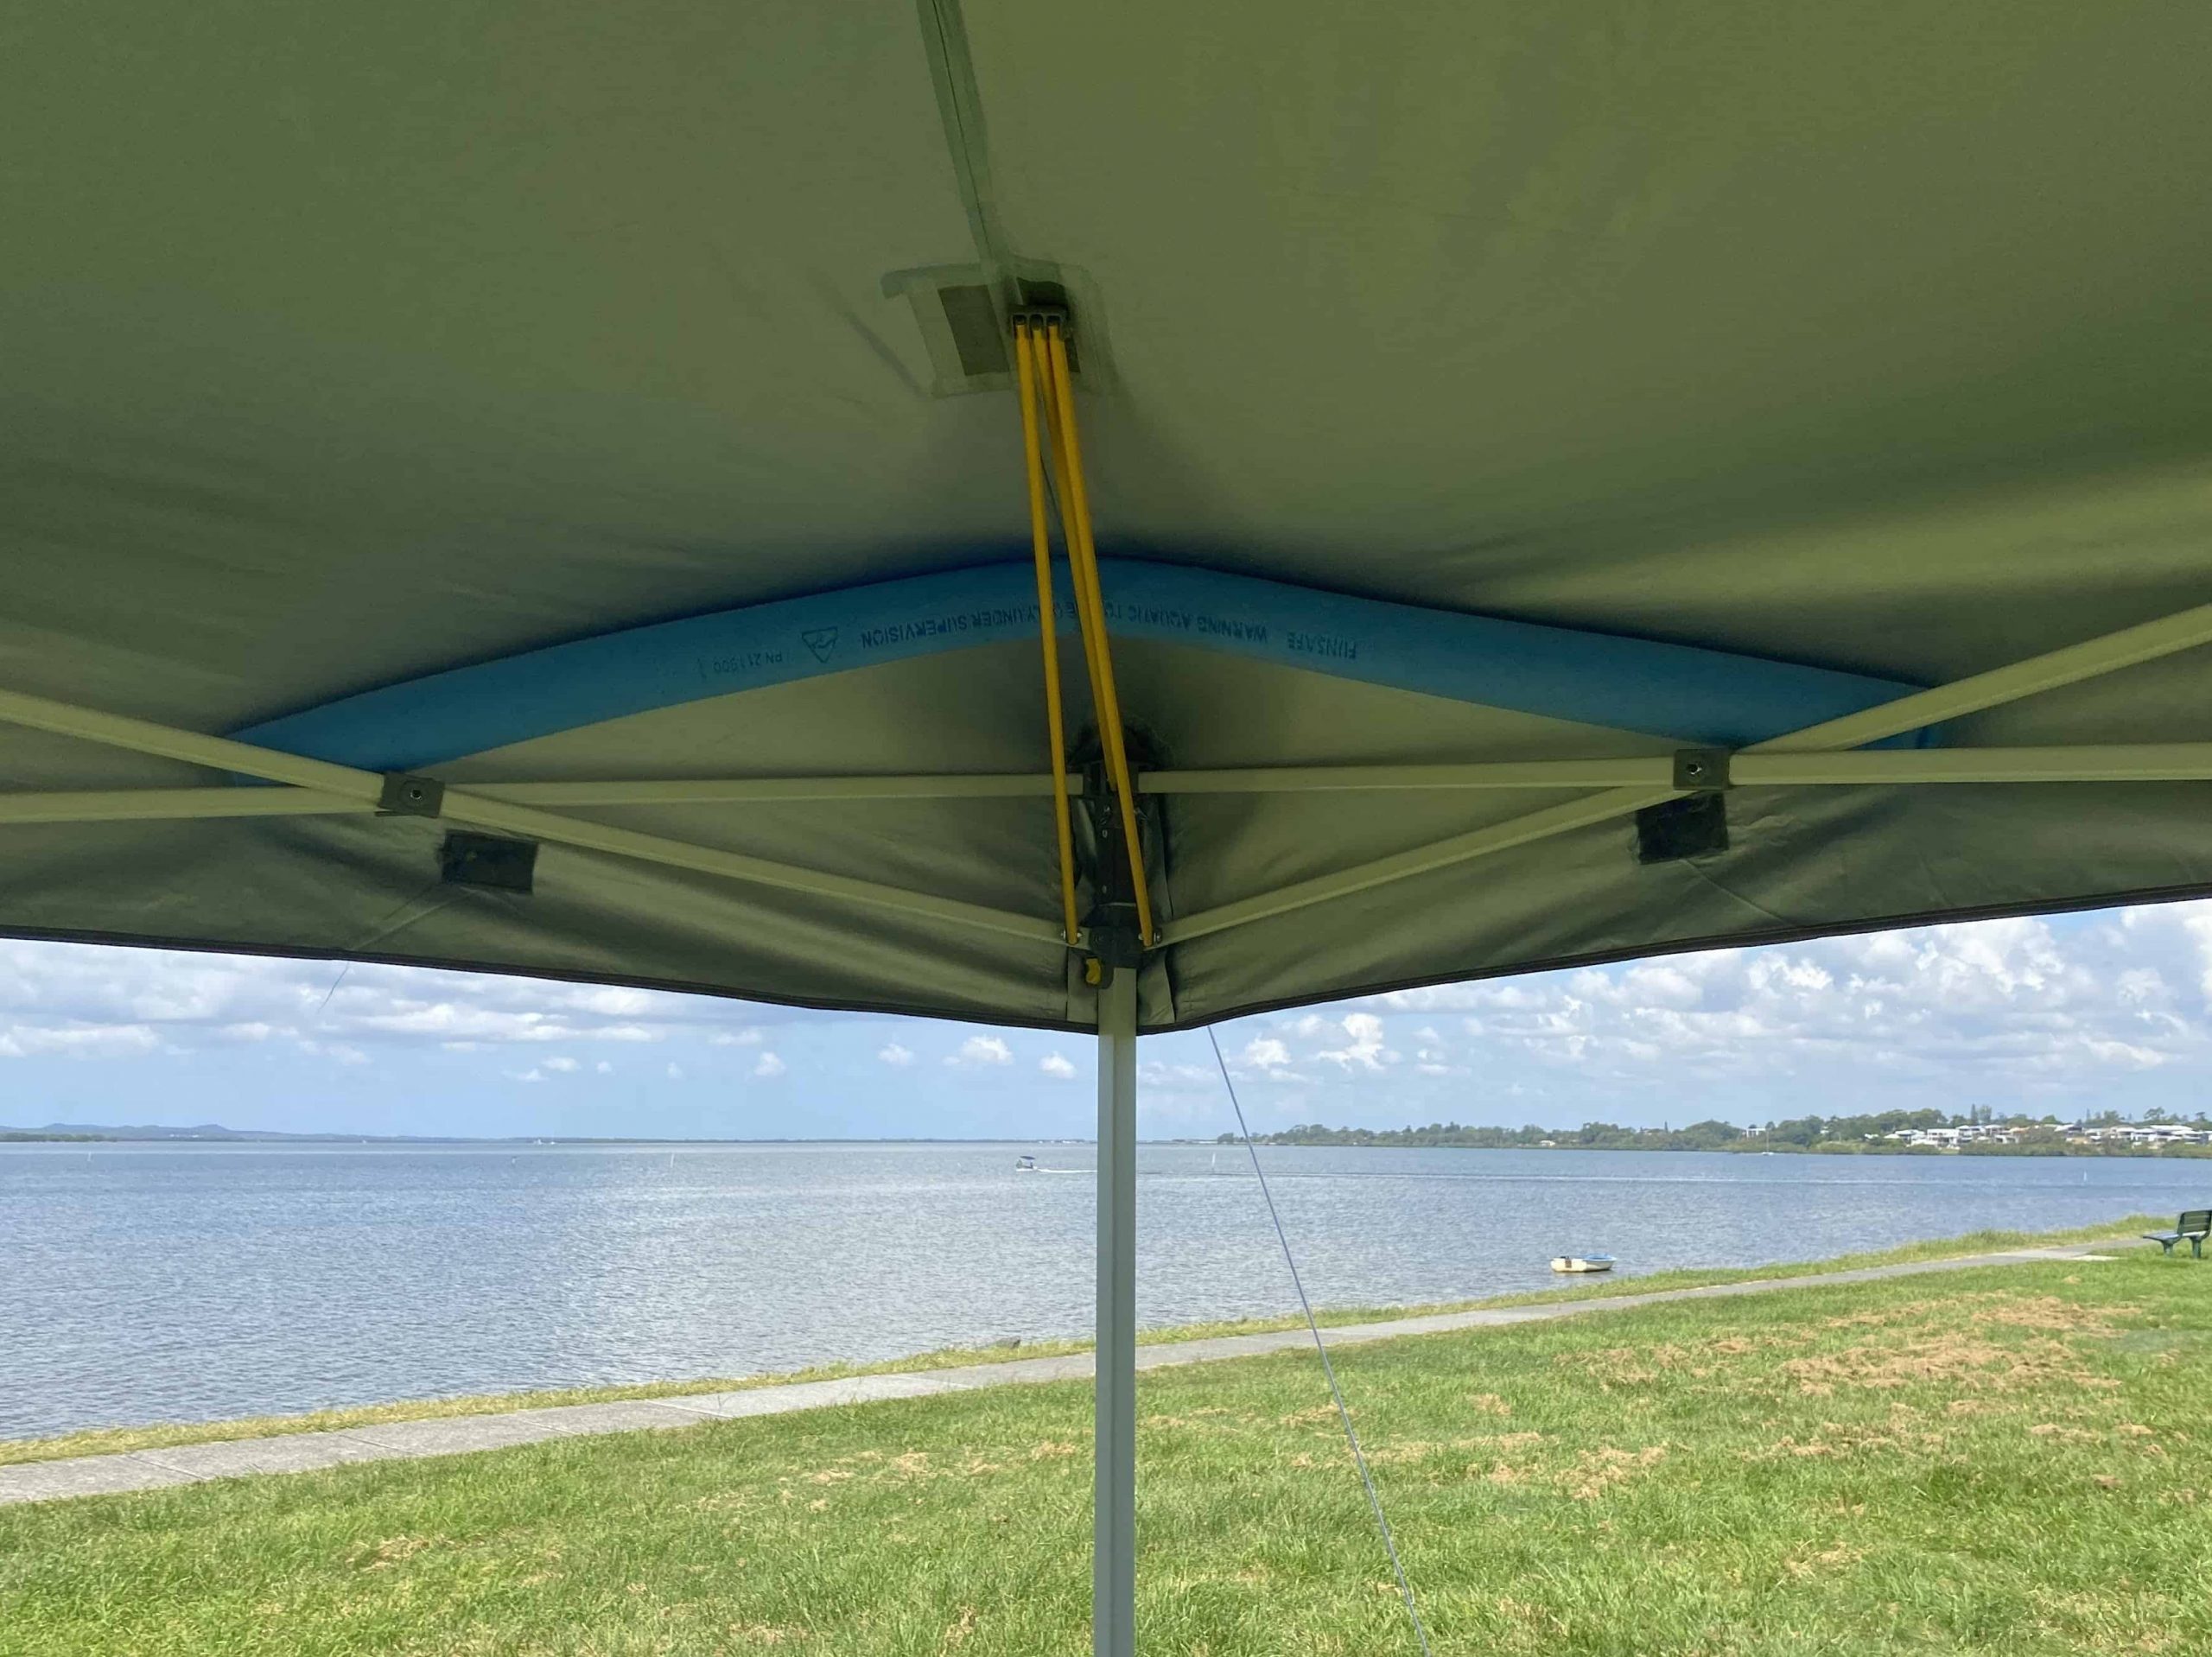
<point>146,1469</point>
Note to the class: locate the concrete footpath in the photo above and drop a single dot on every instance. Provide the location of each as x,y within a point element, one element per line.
<point>297,1452</point>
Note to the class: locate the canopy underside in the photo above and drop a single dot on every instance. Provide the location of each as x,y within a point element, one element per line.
<point>344,353</point>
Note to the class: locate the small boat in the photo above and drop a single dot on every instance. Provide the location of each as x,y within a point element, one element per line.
<point>1025,1164</point>
<point>1582,1263</point>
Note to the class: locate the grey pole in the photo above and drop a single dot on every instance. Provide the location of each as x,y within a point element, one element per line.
<point>1114,1559</point>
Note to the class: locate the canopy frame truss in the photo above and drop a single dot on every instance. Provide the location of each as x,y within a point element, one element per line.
<point>2119,762</point>
<point>2069,664</point>
<point>330,788</point>
<point>1826,754</point>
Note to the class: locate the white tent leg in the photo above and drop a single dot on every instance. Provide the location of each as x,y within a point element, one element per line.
<point>1114,1559</point>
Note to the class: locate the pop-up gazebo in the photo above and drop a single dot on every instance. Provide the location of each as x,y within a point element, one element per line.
<point>547,489</point>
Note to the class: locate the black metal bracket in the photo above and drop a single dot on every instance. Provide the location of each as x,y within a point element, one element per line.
<point>491,861</point>
<point>408,796</point>
<point>1111,926</point>
<point>1694,826</point>
<point>1112,937</point>
<point>1702,770</point>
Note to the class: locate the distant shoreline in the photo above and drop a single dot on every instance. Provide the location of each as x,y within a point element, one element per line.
<point>1308,1138</point>
<point>1748,1147</point>
<point>73,1134</point>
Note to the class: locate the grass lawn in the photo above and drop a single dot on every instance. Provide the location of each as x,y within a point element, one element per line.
<point>2010,1460</point>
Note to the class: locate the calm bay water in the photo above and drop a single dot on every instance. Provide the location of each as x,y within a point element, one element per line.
<point>143,1283</point>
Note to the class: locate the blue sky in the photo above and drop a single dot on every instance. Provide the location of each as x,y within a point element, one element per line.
<point>2106,1011</point>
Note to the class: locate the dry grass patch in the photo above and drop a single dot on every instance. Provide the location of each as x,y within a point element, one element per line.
<point>1962,1340</point>
<point>1959,1341</point>
<point>1596,1471</point>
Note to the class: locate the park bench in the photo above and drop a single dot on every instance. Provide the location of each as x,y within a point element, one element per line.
<point>2192,1225</point>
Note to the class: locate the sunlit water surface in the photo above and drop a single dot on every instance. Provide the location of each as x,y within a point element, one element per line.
<point>142,1283</point>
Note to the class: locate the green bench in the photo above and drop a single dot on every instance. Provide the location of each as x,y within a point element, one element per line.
<point>2191,1226</point>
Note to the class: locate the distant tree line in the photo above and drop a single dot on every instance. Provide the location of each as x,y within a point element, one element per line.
<point>32,1136</point>
<point>1863,1135</point>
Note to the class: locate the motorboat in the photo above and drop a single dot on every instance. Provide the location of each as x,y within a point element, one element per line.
<point>1025,1164</point>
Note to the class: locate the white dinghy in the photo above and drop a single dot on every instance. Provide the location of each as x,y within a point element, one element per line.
<point>1582,1262</point>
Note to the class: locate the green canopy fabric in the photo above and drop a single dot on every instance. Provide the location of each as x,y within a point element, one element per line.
<point>343,348</point>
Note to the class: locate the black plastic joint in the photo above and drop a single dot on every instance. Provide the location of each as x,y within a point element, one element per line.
<point>1039,319</point>
<point>1115,940</point>
<point>408,796</point>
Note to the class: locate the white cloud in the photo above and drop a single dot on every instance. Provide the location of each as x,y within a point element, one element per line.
<point>978,1051</point>
<point>1057,1065</point>
<point>675,1071</point>
<point>2062,1014</point>
<point>2002,1006</point>
<point>1433,1056</point>
<point>615,1000</point>
<point>1268,1059</point>
<point>769,1065</point>
<point>51,994</point>
<point>1363,1047</point>
<point>1162,1073</point>
<point>81,1040</point>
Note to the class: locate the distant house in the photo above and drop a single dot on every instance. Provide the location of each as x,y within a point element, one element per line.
<point>1951,1139</point>
<point>2167,1134</point>
<point>2152,1135</point>
<point>2149,1133</point>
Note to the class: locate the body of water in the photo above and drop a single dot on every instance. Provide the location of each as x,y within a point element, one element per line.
<point>189,1282</point>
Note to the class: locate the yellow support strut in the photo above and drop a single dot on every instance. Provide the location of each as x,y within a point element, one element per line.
<point>1040,545</point>
<point>1082,558</point>
<point>1088,622</point>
